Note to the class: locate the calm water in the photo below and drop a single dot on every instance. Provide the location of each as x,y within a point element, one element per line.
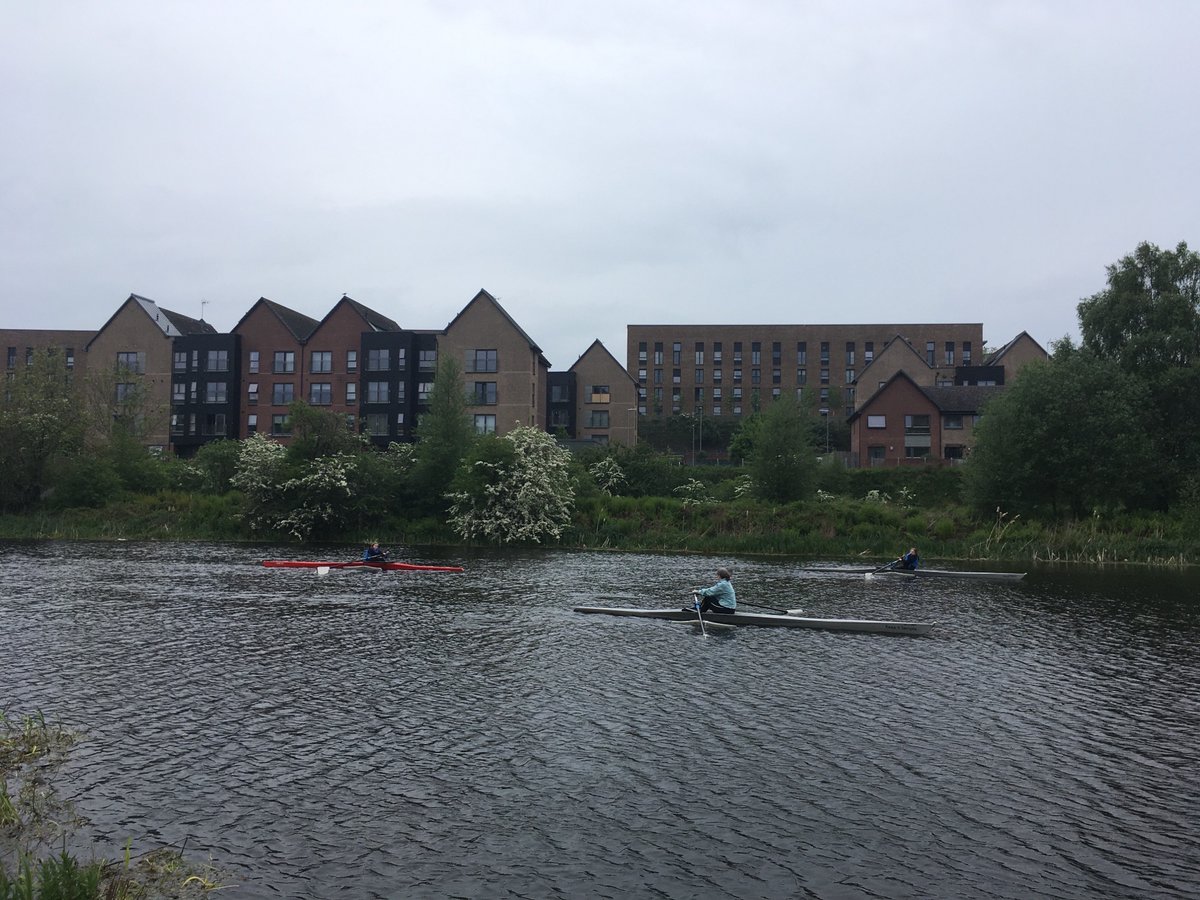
<point>367,735</point>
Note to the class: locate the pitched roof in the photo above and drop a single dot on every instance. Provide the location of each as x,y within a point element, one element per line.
<point>484,297</point>
<point>300,325</point>
<point>992,359</point>
<point>186,324</point>
<point>376,321</point>
<point>599,347</point>
<point>171,324</point>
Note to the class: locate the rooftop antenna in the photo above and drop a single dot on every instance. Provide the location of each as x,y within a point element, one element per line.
<point>203,303</point>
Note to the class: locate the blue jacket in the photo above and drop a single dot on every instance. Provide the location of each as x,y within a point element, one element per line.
<point>910,560</point>
<point>721,592</point>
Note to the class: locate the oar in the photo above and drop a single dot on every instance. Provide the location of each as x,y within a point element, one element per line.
<point>874,572</point>
<point>322,570</point>
<point>774,609</point>
<point>696,604</point>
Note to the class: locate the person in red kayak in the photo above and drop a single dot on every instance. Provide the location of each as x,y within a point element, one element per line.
<point>373,554</point>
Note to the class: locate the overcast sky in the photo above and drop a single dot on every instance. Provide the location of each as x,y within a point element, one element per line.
<point>593,165</point>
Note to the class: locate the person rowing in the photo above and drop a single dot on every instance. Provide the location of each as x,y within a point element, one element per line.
<point>374,554</point>
<point>719,598</point>
<point>910,560</point>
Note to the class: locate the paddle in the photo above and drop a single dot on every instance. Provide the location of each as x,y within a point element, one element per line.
<point>887,568</point>
<point>696,604</point>
<point>774,609</point>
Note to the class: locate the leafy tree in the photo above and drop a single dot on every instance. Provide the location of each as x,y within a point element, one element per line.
<point>445,434</point>
<point>215,464</point>
<point>514,489</point>
<point>1146,323</point>
<point>40,427</point>
<point>745,438</point>
<point>1066,437</point>
<point>319,432</point>
<point>783,462</point>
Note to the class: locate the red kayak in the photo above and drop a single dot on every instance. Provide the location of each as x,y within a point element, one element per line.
<point>357,564</point>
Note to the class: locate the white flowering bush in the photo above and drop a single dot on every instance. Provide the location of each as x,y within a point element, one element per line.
<point>608,475</point>
<point>825,496</point>
<point>877,497</point>
<point>743,487</point>
<point>514,489</point>
<point>297,499</point>
<point>694,493</point>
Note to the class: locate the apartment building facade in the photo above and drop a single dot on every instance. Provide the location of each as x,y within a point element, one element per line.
<point>729,370</point>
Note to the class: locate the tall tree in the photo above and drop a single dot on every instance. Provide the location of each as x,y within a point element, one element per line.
<point>783,462</point>
<point>1068,436</point>
<point>1146,323</point>
<point>444,435</point>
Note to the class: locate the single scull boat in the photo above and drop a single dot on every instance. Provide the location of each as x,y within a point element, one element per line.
<point>917,573</point>
<point>357,564</point>
<point>869,626</point>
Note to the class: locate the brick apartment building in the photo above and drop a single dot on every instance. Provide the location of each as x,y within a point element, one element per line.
<point>725,370</point>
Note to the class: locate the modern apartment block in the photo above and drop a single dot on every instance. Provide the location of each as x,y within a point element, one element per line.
<point>193,385</point>
<point>726,370</point>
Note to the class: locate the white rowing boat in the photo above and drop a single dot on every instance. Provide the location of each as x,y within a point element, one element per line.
<point>867,626</point>
<point>917,573</point>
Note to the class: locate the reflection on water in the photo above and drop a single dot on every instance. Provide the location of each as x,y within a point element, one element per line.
<point>371,735</point>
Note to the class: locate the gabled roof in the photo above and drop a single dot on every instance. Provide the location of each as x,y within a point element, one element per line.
<point>300,325</point>
<point>887,346</point>
<point>171,324</point>
<point>375,321</point>
<point>599,347</point>
<point>484,297</point>
<point>993,358</point>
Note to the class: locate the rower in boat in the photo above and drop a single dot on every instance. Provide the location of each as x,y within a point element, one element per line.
<point>374,554</point>
<point>719,598</point>
<point>909,561</point>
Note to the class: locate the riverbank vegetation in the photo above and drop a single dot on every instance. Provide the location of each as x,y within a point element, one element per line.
<point>1091,457</point>
<point>36,826</point>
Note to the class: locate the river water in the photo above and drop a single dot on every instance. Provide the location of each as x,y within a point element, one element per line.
<point>469,735</point>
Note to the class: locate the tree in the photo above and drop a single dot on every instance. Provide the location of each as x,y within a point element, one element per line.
<point>444,436</point>
<point>1067,436</point>
<point>783,462</point>
<point>319,432</point>
<point>1146,323</point>
<point>514,489</point>
<point>41,426</point>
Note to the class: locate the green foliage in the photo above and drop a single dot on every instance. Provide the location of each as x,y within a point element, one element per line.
<point>745,438</point>
<point>608,475</point>
<point>514,489</point>
<point>84,481</point>
<point>1066,437</point>
<point>319,432</point>
<point>782,461</point>
<point>445,434</point>
<point>215,465</point>
<point>1146,322</point>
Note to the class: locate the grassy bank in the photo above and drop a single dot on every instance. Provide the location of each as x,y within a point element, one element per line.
<point>876,527</point>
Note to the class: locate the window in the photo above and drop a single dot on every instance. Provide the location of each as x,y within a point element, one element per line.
<point>716,393</point>
<point>132,361</point>
<point>485,393</point>
<point>485,424</point>
<point>401,358</point>
<point>737,353</point>
<point>351,360</point>
<point>868,352</point>
<point>400,392</point>
<point>321,362</point>
<point>916,424</point>
<point>178,392</point>
<point>676,376</point>
<point>642,352</point>
<point>929,351</point>
<point>658,376</point>
<point>285,362</point>
<point>849,376</point>
<point>378,360</point>
<point>801,376</point>
<point>599,393</point>
<point>776,376</point>
<point>320,393</point>
<point>179,364</point>
<point>966,353</point>
<point>716,409</point>
<point>218,361</point>
<point>737,393</point>
<point>282,393</point>
<point>377,392</point>
<point>642,376</point>
<point>482,361</point>
<point>875,454</point>
<point>352,392</point>
<point>252,392</point>
<point>558,393</point>
<point>676,353</point>
<point>699,376</point>
<point>716,353</point>
<point>953,451</point>
<point>423,391</point>
<point>716,376</point>
<point>952,421</point>
<point>192,391</point>
<point>776,353</point>
<point>737,376</point>
<point>949,353</point>
<point>658,353</point>
<point>698,395</point>
<point>756,376</point>
<point>214,425</point>
<point>598,418</point>
<point>176,423</point>
<point>824,353</point>
<point>877,421</point>
<point>125,391</point>
<point>12,357</point>
<point>824,396</point>
<point>756,353</point>
<point>215,392</point>
<point>824,376</point>
<point>251,423</point>
<point>377,424</point>
<point>427,360</point>
<point>252,366</point>
<point>699,353</point>
<point>802,353</point>
<point>917,439</point>
<point>849,353</point>
<point>281,424</point>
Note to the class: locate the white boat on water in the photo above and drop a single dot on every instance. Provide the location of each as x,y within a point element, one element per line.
<point>859,571</point>
<point>867,626</point>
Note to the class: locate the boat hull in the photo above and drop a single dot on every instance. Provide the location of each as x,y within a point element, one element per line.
<point>358,564</point>
<point>865,626</point>
<point>919,573</point>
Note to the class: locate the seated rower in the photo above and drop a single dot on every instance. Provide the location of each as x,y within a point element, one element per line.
<point>720,597</point>
<point>373,554</point>
<point>910,560</point>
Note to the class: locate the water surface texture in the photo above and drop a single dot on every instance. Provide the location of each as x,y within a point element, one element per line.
<point>432,735</point>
